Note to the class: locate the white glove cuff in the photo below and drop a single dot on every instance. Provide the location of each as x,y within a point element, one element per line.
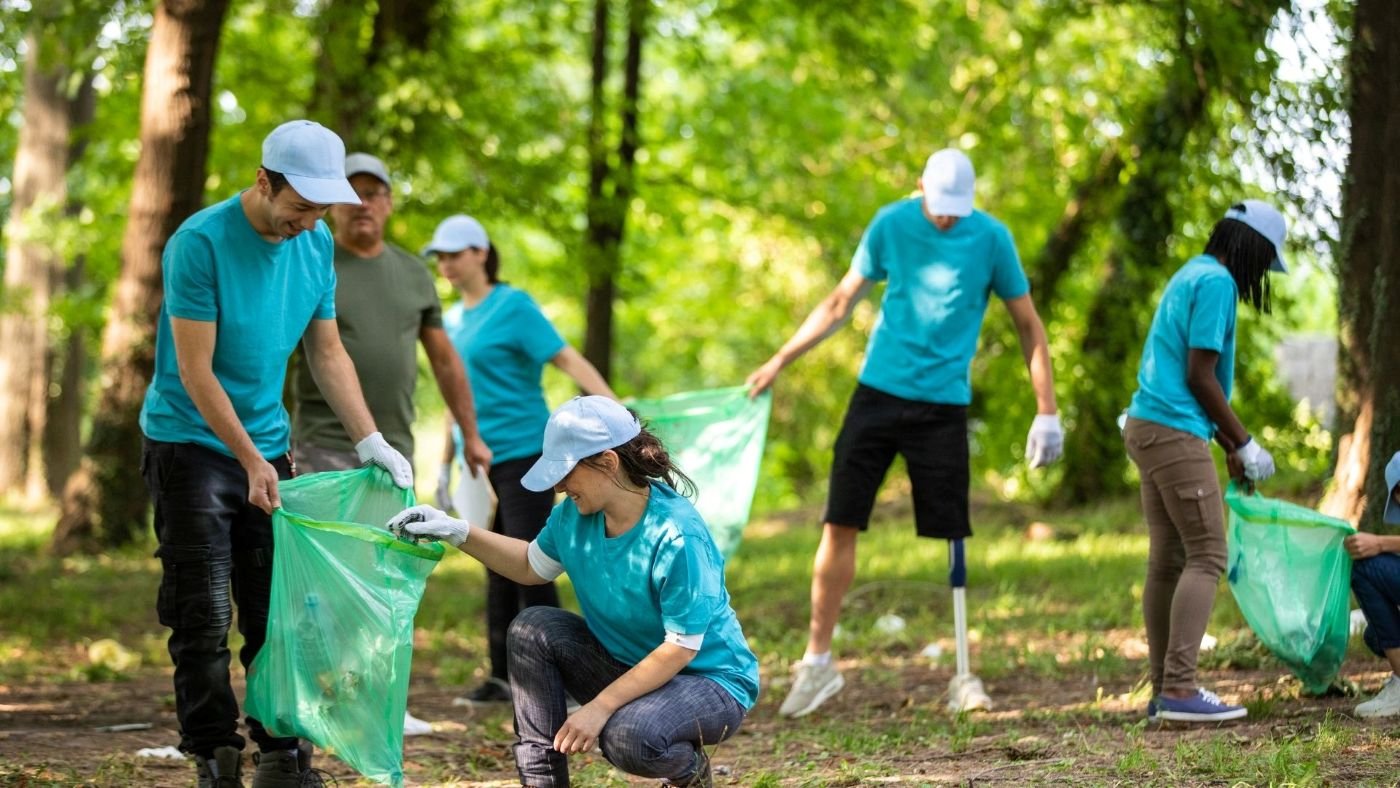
<point>1051,420</point>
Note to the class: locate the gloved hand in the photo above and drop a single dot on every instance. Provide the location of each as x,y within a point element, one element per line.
<point>373,448</point>
<point>1046,440</point>
<point>429,523</point>
<point>444,487</point>
<point>1258,463</point>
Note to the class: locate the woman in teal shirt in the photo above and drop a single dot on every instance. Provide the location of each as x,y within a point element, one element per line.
<point>658,658</point>
<point>1182,402</point>
<point>505,341</point>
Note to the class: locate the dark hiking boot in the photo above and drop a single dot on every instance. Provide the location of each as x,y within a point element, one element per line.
<point>223,769</point>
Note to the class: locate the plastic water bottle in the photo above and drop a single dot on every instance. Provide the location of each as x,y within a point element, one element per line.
<point>313,648</point>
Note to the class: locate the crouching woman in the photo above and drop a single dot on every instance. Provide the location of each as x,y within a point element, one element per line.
<point>658,658</point>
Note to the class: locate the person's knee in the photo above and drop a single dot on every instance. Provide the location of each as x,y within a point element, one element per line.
<point>633,747</point>
<point>534,626</point>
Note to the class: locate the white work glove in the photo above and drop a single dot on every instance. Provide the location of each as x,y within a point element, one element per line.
<point>423,521</point>
<point>1258,463</point>
<point>444,487</point>
<point>378,451</point>
<point>1046,440</point>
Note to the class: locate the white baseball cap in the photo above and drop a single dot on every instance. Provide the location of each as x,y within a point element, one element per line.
<point>1264,219</point>
<point>1392,478</point>
<point>948,183</point>
<point>579,429</point>
<point>365,164</point>
<point>456,233</point>
<point>312,157</point>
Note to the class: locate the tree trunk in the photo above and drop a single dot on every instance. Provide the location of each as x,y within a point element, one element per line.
<point>40,190</point>
<point>62,439</point>
<point>347,76</point>
<point>105,503</point>
<point>1369,269</point>
<point>610,188</point>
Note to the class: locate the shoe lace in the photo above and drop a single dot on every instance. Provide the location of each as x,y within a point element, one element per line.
<point>318,778</point>
<point>1211,698</point>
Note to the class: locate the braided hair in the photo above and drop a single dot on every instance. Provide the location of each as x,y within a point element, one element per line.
<point>1247,255</point>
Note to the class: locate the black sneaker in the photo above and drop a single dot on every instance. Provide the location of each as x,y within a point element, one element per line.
<point>700,778</point>
<point>288,769</point>
<point>493,690</point>
<point>223,769</point>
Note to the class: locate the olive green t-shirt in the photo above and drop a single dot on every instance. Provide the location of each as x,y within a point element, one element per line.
<point>381,305</point>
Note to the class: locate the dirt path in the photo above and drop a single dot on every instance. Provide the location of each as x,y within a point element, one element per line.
<point>1042,732</point>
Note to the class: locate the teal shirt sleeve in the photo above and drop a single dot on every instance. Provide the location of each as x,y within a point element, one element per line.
<point>191,292</point>
<point>547,540</point>
<point>1008,278</point>
<point>539,339</point>
<point>1211,314</point>
<point>690,587</point>
<point>325,308</point>
<point>866,261</point>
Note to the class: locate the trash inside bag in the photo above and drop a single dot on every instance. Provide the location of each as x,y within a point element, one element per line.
<point>1291,577</point>
<point>335,666</point>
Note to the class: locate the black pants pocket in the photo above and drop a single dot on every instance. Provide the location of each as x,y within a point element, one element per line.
<point>184,600</point>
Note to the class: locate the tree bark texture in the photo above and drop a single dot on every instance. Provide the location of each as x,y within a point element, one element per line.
<point>40,190</point>
<point>1368,264</point>
<point>610,184</point>
<point>105,502</point>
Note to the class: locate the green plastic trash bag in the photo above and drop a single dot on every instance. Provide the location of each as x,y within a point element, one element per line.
<point>1291,577</point>
<point>334,668</point>
<point>716,437</point>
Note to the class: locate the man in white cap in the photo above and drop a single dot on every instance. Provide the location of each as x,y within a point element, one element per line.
<point>1375,579</point>
<point>941,258</point>
<point>246,280</point>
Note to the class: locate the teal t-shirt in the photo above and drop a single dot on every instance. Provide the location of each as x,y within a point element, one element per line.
<point>937,292</point>
<point>1197,310</point>
<point>262,296</point>
<point>665,574</point>
<point>505,342</point>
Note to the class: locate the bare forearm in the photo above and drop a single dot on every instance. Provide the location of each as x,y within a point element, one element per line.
<point>334,374</point>
<point>1035,349</point>
<point>504,555</point>
<point>581,370</point>
<point>1207,391</point>
<point>657,668</point>
<point>213,404</point>
<point>452,383</point>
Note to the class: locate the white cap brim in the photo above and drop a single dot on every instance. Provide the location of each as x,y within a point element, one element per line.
<point>948,204</point>
<point>1277,265</point>
<point>324,191</point>
<point>545,474</point>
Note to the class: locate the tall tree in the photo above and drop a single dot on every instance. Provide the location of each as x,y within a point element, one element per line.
<point>351,65</point>
<point>1368,266</point>
<point>35,262</point>
<point>611,178</point>
<point>105,502</point>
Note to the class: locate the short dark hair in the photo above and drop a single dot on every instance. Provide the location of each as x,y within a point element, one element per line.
<point>1247,255</point>
<point>276,180</point>
<point>645,458</point>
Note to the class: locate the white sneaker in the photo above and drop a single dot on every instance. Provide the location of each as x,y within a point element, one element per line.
<point>412,726</point>
<point>813,685</point>
<point>966,693</point>
<point>1385,704</point>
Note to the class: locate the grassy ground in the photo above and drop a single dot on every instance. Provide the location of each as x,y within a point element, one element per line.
<point>1056,635</point>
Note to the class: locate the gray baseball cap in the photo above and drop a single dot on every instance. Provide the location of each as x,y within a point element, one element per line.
<point>365,164</point>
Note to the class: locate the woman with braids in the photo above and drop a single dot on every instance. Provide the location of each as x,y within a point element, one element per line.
<point>1182,402</point>
<point>657,659</point>
<point>505,341</point>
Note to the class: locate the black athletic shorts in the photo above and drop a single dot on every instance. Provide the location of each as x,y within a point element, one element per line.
<point>933,440</point>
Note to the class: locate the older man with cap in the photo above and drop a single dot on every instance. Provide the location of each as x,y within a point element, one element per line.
<point>1375,579</point>
<point>246,280</point>
<point>385,304</point>
<point>942,258</point>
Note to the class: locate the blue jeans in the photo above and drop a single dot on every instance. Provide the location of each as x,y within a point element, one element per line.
<point>657,735</point>
<point>215,550</point>
<point>1376,583</point>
